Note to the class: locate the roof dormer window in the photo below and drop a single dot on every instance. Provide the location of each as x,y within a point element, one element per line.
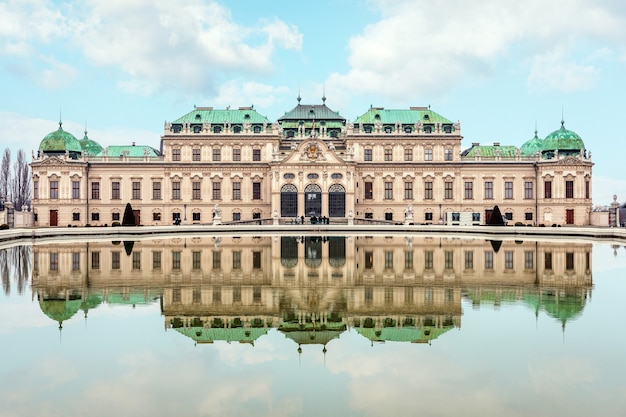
<point>256,129</point>
<point>426,117</point>
<point>447,129</point>
<point>237,129</point>
<point>428,129</point>
<point>368,129</point>
<point>197,129</point>
<point>217,129</point>
<point>198,116</point>
<point>387,129</point>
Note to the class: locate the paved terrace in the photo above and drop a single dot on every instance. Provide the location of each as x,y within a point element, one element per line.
<point>47,235</point>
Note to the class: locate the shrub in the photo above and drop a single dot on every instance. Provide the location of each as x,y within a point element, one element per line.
<point>4,226</point>
<point>115,224</point>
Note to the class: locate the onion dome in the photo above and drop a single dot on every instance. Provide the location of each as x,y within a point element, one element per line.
<point>532,146</point>
<point>563,140</point>
<point>59,142</point>
<point>90,146</point>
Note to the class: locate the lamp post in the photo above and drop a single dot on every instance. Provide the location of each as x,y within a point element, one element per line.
<point>440,217</point>
<point>185,213</point>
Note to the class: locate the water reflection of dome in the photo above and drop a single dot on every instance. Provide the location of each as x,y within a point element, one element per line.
<point>237,330</point>
<point>312,333</point>
<point>563,307</point>
<point>61,309</point>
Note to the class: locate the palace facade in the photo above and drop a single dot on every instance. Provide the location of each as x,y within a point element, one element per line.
<point>235,165</point>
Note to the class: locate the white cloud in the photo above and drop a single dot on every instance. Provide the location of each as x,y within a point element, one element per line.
<point>429,47</point>
<point>253,93</point>
<point>553,71</point>
<point>25,22</point>
<point>164,44</point>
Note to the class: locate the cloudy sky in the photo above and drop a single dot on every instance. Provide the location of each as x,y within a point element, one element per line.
<point>500,67</point>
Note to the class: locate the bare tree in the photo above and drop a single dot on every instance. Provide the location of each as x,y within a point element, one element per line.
<point>20,184</point>
<point>5,175</point>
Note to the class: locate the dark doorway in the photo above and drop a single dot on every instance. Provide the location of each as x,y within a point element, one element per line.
<point>336,201</point>
<point>312,200</point>
<point>569,216</point>
<point>54,217</point>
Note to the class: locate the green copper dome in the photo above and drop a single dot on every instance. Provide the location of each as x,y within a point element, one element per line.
<point>89,146</point>
<point>60,310</point>
<point>532,146</point>
<point>60,141</point>
<point>563,140</point>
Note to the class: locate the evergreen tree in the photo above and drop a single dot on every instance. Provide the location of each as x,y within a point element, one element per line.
<point>129,216</point>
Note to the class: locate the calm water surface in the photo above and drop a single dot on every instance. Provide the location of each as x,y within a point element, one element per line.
<point>310,326</point>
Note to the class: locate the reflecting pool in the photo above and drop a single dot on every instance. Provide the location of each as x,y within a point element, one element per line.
<point>313,325</point>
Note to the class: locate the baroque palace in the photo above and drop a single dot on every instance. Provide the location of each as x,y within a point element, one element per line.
<point>388,165</point>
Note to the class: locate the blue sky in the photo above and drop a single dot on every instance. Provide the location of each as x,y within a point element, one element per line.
<point>123,67</point>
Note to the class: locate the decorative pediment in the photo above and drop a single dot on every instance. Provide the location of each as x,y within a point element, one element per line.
<point>312,151</point>
<point>571,161</point>
<point>53,160</point>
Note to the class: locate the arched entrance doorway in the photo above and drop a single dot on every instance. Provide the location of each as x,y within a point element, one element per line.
<point>288,201</point>
<point>313,200</point>
<point>336,201</point>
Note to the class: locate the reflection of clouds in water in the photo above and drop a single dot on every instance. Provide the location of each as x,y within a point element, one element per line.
<point>608,258</point>
<point>268,348</point>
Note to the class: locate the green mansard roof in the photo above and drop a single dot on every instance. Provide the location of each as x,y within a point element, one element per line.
<point>409,116</point>
<point>311,112</point>
<point>241,115</point>
<point>490,151</point>
<point>131,151</point>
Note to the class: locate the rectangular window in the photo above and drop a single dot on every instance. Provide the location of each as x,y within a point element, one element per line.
<point>237,294</point>
<point>35,190</point>
<point>428,259</point>
<point>369,187</point>
<point>569,261</point>
<point>115,260</point>
<point>469,259</point>
<point>156,259</point>
<point>529,261</point>
<point>76,217</point>
<point>156,216</point>
<point>95,217</point>
<point>175,260</point>
<point>428,216</point>
<point>388,259</point>
<point>448,259</point>
<point>447,155</point>
<point>256,260</point>
<point>547,260</point>
<point>256,190</point>
<point>54,261</point>
<point>488,260</point>
<point>408,154</point>
<point>389,216</point>
<point>115,190</point>
<point>508,259</point>
<point>195,216</point>
<point>236,154</point>
<point>547,189</point>
<point>408,295</point>
<point>75,261</point>
<point>75,190</point>
<point>388,190</point>
<point>236,216</point>
<point>217,190</point>
<point>369,260</point>
<point>115,217</point>
<point>408,260</point>
<point>569,189</point>
<point>136,190</point>
<point>217,260</point>
<point>428,154</point>
<point>95,191</point>
<point>528,190</point>
<point>408,190</point>
<point>176,190</point>
<point>388,155</point>
<point>256,154</point>
<point>217,154</point>
<point>367,154</point>
<point>469,190</point>
<point>236,190</point>
<point>54,189</point>
<point>95,260</point>
<point>508,190</point>
<point>237,259</point>
<point>488,190</point>
<point>195,154</point>
<point>156,190</point>
<point>528,216</point>
<point>448,190</point>
<point>136,260</point>
<point>587,189</point>
<point>175,154</point>
<point>196,257</point>
<point>195,190</point>
<point>428,190</point>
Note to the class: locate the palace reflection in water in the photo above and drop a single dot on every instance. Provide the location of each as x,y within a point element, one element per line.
<point>312,288</point>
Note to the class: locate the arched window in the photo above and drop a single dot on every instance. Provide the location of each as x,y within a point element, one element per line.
<point>288,201</point>
<point>336,201</point>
